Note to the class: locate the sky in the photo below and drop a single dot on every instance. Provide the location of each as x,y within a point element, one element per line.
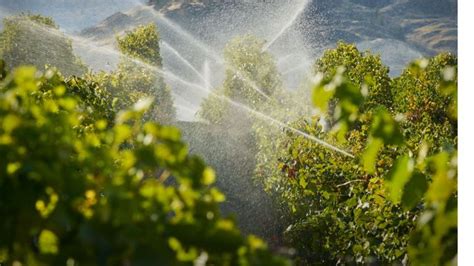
<point>71,15</point>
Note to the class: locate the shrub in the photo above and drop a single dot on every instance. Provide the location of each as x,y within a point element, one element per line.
<point>251,78</point>
<point>76,189</point>
<point>139,74</point>
<point>395,201</point>
<point>361,68</point>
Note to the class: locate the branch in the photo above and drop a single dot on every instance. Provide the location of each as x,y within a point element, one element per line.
<point>350,182</point>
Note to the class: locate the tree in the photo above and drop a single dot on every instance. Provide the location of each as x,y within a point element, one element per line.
<point>426,94</point>
<point>75,189</point>
<point>429,111</point>
<point>252,84</point>
<point>139,72</point>
<point>143,44</point>
<point>338,207</point>
<point>36,40</point>
<point>373,208</point>
<point>251,79</point>
<point>361,68</point>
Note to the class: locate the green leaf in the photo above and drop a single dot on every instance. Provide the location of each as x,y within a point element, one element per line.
<point>255,242</point>
<point>24,76</point>
<point>208,176</point>
<point>170,133</point>
<point>349,96</point>
<point>444,179</point>
<point>321,96</point>
<point>398,176</point>
<point>386,128</point>
<point>369,157</point>
<point>217,195</point>
<point>13,167</point>
<point>122,133</point>
<point>10,122</point>
<point>174,244</point>
<point>48,242</point>
<point>303,182</point>
<point>414,190</point>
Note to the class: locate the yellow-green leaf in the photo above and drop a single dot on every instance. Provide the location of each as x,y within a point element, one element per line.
<point>208,176</point>
<point>369,158</point>
<point>398,176</point>
<point>48,242</point>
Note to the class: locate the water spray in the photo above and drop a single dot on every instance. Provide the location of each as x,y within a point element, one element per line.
<point>264,117</point>
<point>298,12</point>
<point>199,44</point>
<point>182,59</point>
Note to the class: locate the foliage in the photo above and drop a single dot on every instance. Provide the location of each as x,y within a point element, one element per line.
<point>361,68</point>
<point>252,84</point>
<point>249,63</point>
<point>139,74</point>
<point>97,102</point>
<point>36,40</point>
<point>427,97</point>
<point>238,113</point>
<point>434,97</point>
<point>75,189</point>
<point>140,70</point>
<point>142,43</point>
<point>252,81</point>
<point>251,78</point>
<point>338,211</point>
<point>395,201</point>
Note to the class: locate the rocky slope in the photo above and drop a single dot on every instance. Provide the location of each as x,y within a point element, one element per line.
<point>428,25</point>
<point>398,30</point>
<point>431,25</point>
<point>419,27</point>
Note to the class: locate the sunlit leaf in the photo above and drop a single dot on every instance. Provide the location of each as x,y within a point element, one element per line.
<point>255,242</point>
<point>208,176</point>
<point>13,167</point>
<point>321,96</point>
<point>414,190</point>
<point>48,242</point>
<point>369,157</point>
<point>444,180</point>
<point>398,176</point>
<point>10,122</point>
<point>386,128</point>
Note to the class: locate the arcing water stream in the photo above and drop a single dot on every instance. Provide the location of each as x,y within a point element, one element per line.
<point>158,71</point>
<point>301,7</point>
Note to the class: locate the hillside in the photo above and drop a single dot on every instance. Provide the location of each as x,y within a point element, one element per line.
<point>417,27</point>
